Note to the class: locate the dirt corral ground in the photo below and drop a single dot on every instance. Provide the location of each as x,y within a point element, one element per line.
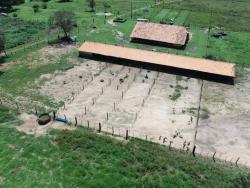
<point>158,106</point>
<point>30,125</point>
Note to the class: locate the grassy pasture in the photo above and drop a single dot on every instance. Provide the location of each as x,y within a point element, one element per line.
<point>82,158</point>
<point>232,48</point>
<point>19,32</point>
<point>228,16</point>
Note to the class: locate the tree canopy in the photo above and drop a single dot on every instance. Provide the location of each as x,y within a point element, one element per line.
<point>63,20</point>
<point>2,43</point>
<point>6,4</point>
<point>91,4</point>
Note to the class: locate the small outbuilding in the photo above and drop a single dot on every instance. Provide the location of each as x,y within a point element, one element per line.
<point>160,34</point>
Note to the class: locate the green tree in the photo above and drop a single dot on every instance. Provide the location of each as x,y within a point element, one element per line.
<point>63,20</point>
<point>106,5</point>
<point>36,8</point>
<point>2,43</point>
<point>7,4</point>
<point>91,4</point>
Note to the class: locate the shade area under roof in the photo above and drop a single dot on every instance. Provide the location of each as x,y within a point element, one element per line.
<point>158,58</point>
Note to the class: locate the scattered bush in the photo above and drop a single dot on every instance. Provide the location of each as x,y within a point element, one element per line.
<point>18,32</point>
<point>36,8</point>
<point>44,6</point>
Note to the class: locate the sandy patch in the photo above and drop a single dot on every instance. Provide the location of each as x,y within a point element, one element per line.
<point>123,98</point>
<point>63,86</point>
<point>30,125</point>
<point>224,125</point>
<point>110,22</point>
<point>2,179</point>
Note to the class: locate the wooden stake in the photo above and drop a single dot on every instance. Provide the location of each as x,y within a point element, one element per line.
<point>126,134</point>
<point>75,121</point>
<point>100,128</point>
<point>193,152</point>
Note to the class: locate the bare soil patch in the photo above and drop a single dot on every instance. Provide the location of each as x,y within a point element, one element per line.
<point>30,125</point>
<point>122,98</point>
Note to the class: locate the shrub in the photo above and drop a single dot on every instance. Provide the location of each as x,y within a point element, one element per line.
<point>44,6</point>
<point>35,8</point>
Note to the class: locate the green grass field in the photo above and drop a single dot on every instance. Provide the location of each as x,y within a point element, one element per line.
<point>231,17</point>
<point>82,158</point>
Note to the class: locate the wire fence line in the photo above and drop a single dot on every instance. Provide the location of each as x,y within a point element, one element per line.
<point>184,146</point>
<point>175,141</point>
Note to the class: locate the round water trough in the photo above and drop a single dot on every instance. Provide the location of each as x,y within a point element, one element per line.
<point>44,119</point>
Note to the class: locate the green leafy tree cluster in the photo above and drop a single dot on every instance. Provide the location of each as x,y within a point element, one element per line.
<point>7,4</point>
<point>63,20</point>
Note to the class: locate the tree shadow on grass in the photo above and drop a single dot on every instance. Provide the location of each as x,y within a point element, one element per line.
<point>9,10</point>
<point>2,60</point>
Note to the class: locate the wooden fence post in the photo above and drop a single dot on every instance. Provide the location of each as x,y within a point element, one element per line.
<point>236,163</point>
<point>54,115</point>
<point>193,152</point>
<point>100,127</point>
<point>88,123</point>
<point>214,156</point>
<point>170,144</point>
<point>164,140</point>
<point>75,121</point>
<point>126,134</point>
